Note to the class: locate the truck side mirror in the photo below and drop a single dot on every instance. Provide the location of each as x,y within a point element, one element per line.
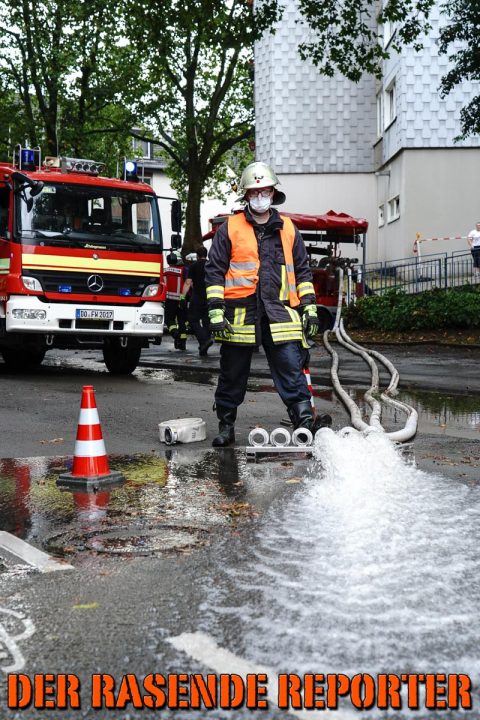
<point>176,216</point>
<point>176,241</point>
<point>36,188</point>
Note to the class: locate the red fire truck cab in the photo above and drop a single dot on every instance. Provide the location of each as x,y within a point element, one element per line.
<point>80,261</point>
<point>323,236</point>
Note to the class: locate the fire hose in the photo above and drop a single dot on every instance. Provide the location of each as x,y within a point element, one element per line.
<point>371,395</point>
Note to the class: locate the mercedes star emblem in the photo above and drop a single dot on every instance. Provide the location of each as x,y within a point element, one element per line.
<point>95,283</point>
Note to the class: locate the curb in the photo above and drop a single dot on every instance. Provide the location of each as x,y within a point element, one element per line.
<point>19,550</point>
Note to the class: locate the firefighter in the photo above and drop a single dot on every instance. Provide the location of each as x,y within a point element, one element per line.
<point>259,290</point>
<point>197,309</point>
<point>175,311</point>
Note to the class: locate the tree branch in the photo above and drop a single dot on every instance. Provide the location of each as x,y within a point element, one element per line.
<point>224,147</point>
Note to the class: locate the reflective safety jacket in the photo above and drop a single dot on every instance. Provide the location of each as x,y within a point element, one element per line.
<point>258,269</point>
<point>174,276</point>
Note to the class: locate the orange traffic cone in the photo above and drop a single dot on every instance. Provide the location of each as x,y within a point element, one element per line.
<point>90,461</point>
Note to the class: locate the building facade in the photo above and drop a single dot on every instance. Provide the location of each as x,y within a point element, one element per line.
<point>384,150</point>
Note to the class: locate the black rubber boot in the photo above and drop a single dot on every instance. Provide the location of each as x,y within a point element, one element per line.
<point>203,348</point>
<point>226,426</point>
<point>301,415</point>
<point>180,344</point>
<point>321,421</point>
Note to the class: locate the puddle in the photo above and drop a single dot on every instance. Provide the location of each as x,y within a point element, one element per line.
<point>198,377</point>
<point>169,503</point>
<point>457,415</point>
<point>88,361</point>
<point>450,414</point>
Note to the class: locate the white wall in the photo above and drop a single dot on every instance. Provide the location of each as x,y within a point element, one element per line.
<point>343,192</point>
<point>438,198</point>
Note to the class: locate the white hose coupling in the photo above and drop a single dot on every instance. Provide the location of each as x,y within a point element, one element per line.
<point>280,437</point>
<point>302,437</point>
<point>258,437</point>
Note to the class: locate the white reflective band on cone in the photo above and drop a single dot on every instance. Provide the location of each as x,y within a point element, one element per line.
<point>89,416</point>
<point>90,448</point>
<point>258,437</point>
<point>280,437</point>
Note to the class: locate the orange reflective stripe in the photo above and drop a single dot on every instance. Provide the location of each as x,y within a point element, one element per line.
<point>241,278</point>
<point>287,235</point>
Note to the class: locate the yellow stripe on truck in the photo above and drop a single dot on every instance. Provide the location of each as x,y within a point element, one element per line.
<point>78,264</point>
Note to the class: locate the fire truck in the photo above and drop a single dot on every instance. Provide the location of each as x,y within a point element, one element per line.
<point>80,260</point>
<point>325,236</point>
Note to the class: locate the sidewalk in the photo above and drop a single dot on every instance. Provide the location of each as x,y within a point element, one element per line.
<point>424,366</point>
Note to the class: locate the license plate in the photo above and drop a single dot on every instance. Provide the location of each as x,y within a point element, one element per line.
<point>94,314</point>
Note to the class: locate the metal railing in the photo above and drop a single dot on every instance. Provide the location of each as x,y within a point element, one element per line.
<point>414,275</point>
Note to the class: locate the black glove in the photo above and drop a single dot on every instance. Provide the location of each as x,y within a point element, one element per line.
<point>310,320</point>
<point>219,324</point>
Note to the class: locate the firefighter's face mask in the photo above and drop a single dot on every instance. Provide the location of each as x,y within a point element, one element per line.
<point>260,200</point>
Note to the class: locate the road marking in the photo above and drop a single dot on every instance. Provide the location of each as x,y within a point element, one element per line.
<point>25,552</point>
<point>203,648</point>
<point>10,641</point>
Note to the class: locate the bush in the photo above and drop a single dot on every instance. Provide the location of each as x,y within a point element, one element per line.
<point>432,310</point>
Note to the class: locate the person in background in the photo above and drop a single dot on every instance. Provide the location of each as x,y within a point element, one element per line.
<point>474,243</point>
<point>198,309</point>
<point>259,290</point>
<point>175,311</point>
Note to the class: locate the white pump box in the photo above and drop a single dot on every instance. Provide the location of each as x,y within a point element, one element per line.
<point>182,430</point>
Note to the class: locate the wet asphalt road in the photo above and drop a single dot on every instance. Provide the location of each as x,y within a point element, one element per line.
<point>114,614</point>
<point>39,411</point>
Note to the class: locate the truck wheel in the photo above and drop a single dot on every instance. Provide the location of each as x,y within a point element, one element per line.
<point>121,360</point>
<point>325,320</point>
<point>20,359</point>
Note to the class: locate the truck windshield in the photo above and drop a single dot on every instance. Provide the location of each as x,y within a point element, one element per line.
<point>96,217</point>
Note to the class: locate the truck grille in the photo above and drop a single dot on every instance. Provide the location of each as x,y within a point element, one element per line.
<point>121,285</point>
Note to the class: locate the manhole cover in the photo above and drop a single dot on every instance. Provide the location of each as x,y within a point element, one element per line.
<point>126,540</point>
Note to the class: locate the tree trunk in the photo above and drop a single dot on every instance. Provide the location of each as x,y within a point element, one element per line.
<point>52,145</point>
<point>193,230</point>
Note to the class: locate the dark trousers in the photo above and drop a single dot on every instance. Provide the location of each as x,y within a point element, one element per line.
<point>476,257</point>
<point>176,315</point>
<point>199,322</point>
<point>286,362</point>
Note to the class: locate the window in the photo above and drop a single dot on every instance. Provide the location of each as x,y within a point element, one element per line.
<point>142,148</point>
<point>379,115</point>
<point>74,215</point>
<point>390,104</point>
<point>4,208</point>
<point>381,215</point>
<point>393,209</point>
<point>389,29</point>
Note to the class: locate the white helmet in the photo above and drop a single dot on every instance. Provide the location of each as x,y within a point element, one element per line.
<point>260,175</point>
